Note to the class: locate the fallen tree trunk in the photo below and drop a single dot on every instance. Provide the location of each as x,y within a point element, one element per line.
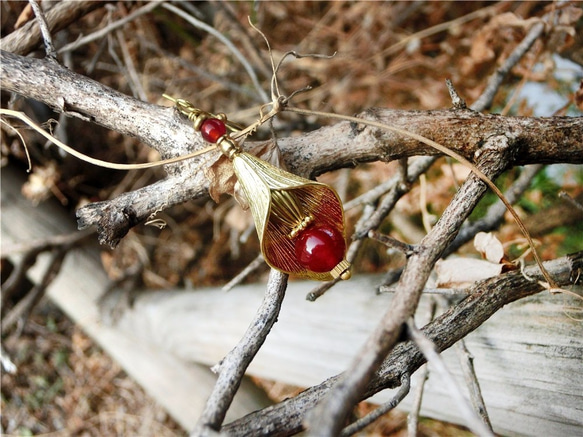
<point>180,386</point>
<point>527,357</point>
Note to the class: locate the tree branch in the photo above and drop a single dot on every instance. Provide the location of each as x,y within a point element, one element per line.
<point>536,140</point>
<point>327,419</point>
<point>233,367</point>
<point>486,297</point>
<point>25,39</point>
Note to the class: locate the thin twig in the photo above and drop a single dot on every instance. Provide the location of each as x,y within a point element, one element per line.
<point>487,97</point>
<point>215,78</point>
<point>467,365</point>
<point>26,38</point>
<point>413,416</point>
<point>416,165</point>
<point>495,214</point>
<point>456,100</point>
<point>18,276</point>
<point>32,250</point>
<point>388,241</point>
<point>44,244</point>
<point>51,53</point>
<point>246,40</point>
<point>232,368</point>
<point>441,27</point>
<point>414,412</point>
<point>428,290</point>
<point>23,308</point>
<point>365,421</point>
<point>565,196</point>
<point>201,25</point>
<point>258,262</point>
<point>153,4</point>
<point>134,79</point>
<point>473,421</point>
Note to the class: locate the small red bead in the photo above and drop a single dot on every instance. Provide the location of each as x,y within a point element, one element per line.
<point>212,129</point>
<point>320,248</point>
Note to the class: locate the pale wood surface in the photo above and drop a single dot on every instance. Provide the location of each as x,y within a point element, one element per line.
<point>528,356</point>
<point>181,387</point>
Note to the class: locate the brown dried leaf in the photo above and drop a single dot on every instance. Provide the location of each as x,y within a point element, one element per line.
<point>26,15</point>
<point>491,39</point>
<point>579,96</point>
<point>238,219</point>
<point>40,183</point>
<point>222,179</point>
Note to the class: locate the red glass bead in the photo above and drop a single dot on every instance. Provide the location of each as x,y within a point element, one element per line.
<point>320,248</point>
<point>212,129</point>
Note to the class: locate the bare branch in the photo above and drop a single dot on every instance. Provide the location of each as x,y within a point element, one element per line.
<point>360,424</point>
<point>495,215</point>
<point>232,368</point>
<point>328,417</point>
<point>22,41</point>
<point>495,81</point>
<point>50,51</point>
<point>21,310</point>
<point>153,4</point>
<point>413,416</point>
<point>197,23</point>
<point>473,421</point>
<point>467,365</point>
<point>486,297</point>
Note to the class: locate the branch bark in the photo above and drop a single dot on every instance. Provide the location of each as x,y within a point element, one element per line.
<point>537,140</point>
<point>486,297</point>
<point>25,39</point>
<point>327,419</point>
<point>233,367</point>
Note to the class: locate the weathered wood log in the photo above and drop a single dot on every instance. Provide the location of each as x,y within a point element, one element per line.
<point>528,356</point>
<point>179,386</point>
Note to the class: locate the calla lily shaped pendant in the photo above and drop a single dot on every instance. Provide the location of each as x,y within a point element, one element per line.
<point>300,223</point>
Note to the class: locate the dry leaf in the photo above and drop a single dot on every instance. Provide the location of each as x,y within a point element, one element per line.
<point>25,16</point>
<point>40,183</point>
<point>579,96</point>
<point>489,246</point>
<point>238,219</point>
<point>222,179</point>
<point>491,39</point>
<point>463,272</point>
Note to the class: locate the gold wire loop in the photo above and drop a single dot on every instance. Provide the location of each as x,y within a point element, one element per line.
<point>198,119</point>
<point>228,146</point>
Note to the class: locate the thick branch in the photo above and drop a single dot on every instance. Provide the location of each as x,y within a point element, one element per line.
<point>329,415</point>
<point>486,297</point>
<point>537,140</point>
